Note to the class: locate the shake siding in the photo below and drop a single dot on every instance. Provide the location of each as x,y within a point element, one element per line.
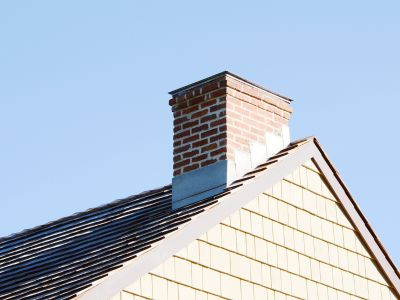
<point>292,242</point>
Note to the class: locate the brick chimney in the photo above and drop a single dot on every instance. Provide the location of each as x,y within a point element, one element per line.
<point>224,126</point>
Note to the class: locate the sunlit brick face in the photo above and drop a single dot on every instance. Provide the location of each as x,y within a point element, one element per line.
<point>215,118</point>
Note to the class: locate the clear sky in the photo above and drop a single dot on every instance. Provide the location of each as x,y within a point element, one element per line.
<point>84,115</point>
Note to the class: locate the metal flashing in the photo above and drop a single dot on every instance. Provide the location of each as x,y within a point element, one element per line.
<point>199,184</point>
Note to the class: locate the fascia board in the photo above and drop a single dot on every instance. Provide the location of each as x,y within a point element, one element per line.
<point>356,217</point>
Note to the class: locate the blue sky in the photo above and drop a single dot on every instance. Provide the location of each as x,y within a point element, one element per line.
<point>84,115</point>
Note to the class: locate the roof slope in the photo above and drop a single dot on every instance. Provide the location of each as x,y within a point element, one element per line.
<point>61,258</point>
<point>79,253</point>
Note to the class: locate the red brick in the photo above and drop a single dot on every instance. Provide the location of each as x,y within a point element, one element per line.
<point>172,101</point>
<point>191,139</point>
<point>208,118</point>
<point>200,113</point>
<point>222,157</point>
<point>190,153</point>
<point>196,101</point>
<point>241,140</point>
<point>257,117</point>
<point>217,107</point>
<point>257,131</point>
<point>209,132</point>
<point>208,103</point>
<point>177,114</point>
<point>199,157</point>
<point>180,120</point>
<point>180,105</point>
<point>222,142</point>
<point>200,143</point>
<point>191,167</point>
<point>190,124</point>
<point>181,163</point>
<point>209,147</point>
<point>177,158</point>
<point>218,151</point>
<point>234,130</point>
<point>181,149</point>
<point>218,122</point>
<point>208,162</point>
<point>217,137</point>
<point>242,125</point>
<point>210,86</point>
<point>200,128</point>
<point>235,115</point>
<point>241,111</point>
<point>177,128</point>
<point>249,135</point>
<point>190,109</point>
<point>218,93</point>
<point>181,134</point>
<point>250,107</point>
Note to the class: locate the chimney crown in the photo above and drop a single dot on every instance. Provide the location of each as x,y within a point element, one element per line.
<point>224,126</point>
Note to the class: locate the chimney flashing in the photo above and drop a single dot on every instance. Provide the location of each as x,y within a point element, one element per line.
<point>199,184</point>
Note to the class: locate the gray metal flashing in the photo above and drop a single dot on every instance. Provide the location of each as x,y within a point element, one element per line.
<point>185,88</point>
<point>199,184</point>
<point>228,204</point>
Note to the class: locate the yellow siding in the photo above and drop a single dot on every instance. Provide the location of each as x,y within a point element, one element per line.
<point>292,242</point>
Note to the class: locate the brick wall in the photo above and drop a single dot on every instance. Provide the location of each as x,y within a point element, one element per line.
<point>215,117</point>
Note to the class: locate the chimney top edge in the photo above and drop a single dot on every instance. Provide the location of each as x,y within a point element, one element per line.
<point>224,73</point>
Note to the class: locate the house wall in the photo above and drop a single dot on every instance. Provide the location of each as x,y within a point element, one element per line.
<point>291,242</point>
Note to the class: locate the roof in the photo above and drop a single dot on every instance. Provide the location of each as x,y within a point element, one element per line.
<point>63,257</point>
<point>96,253</point>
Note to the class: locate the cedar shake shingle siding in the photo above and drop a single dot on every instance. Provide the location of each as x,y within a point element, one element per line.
<point>294,241</point>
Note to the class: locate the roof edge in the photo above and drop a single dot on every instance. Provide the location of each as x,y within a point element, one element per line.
<point>357,209</point>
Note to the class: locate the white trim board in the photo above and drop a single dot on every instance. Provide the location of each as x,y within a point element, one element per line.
<point>119,279</point>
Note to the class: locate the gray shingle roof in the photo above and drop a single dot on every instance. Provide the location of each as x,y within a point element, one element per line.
<point>63,257</point>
